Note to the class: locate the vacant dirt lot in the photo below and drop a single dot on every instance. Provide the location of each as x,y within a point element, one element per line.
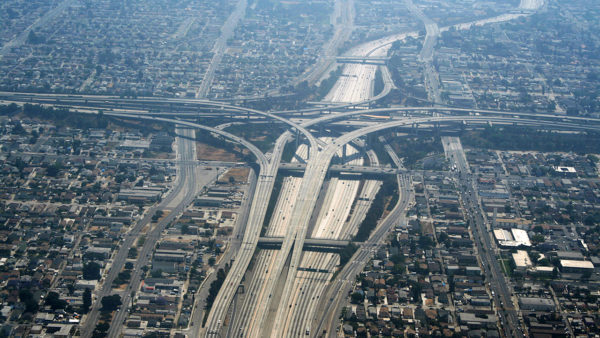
<point>209,153</point>
<point>240,175</point>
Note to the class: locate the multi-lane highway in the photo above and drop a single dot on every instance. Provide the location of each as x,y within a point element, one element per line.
<point>266,180</point>
<point>334,297</point>
<point>316,268</point>
<point>432,32</point>
<point>245,314</point>
<point>189,180</point>
<point>288,285</point>
<point>314,179</point>
<point>312,183</point>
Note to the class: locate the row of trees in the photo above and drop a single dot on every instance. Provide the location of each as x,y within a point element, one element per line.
<point>326,85</point>
<point>388,190</point>
<point>62,117</point>
<point>215,286</point>
<point>9,109</point>
<point>518,138</point>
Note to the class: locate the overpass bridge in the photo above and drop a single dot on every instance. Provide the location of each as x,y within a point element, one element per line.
<point>310,244</point>
<point>373,60</point>
<point>339,168</point>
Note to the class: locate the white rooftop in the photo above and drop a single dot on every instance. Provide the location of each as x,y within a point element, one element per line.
<point>521,236</point>
<point>568,263</point>
<point>521,258</point>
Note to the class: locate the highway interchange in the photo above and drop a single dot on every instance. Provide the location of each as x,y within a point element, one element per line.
<point>290,292</point>
<point>317,172</point>
<point>268,170</point>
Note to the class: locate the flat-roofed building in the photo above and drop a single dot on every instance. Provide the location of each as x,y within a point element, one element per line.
<point>542,270</point>
<point>503,235</point>
<point>521,237</point>
<point>522,260</point>
<point>569,265</point>
<point>570,255</point>
<point>209,201</point>
<point>536,304</point>
<point>141,194</point>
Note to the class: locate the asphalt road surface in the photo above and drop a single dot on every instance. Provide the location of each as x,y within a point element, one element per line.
<point>509,319</point>
<point>186,185</point>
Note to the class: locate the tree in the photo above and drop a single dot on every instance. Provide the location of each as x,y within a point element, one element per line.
<point>132,253</point>
<point>537,239</point>
<point>357,297</point>
<point>71,288</point>
<point>443,237</point>
<point>535,256</point>
<point>347,252</point>
<point>91,271</point>
<point>100,330</point>
<point>53,169</point>
<point>34,39</point>
<point>26,296</point>
<point>158,214</point>
<point>215,286</point>
<point>425,242</point>
<point>87,300</point>
<point>54,301</point>
<point>415,291</point>
<point>110,303</point>
<point>538,229</point>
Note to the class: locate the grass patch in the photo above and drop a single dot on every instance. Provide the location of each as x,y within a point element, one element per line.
<point>262,135</point>
<point>505,264</point>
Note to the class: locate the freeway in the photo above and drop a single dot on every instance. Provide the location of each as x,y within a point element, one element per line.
<point>141,107</point>
<point>264,187</point>
<point>260,157</point>
<point>256,287</point>
<point>352,135</point>
<point>312,182</point>
<point>355,89</point>
<point>184,189</point>
<point>348,137</point>
<point>240,227</point>
<point>334,297</point>
<point>531,4</point>
<point>266,180</point>
<point>316,268</point>
<point>315,174</point>
<point>192,180</point>
<point>344,168</point>
<point>342,20</point>
<point>432,30</point>
<point>358,88</point>
<point>515,115</point>
<point>355,85</point>
<point>51,98</point>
